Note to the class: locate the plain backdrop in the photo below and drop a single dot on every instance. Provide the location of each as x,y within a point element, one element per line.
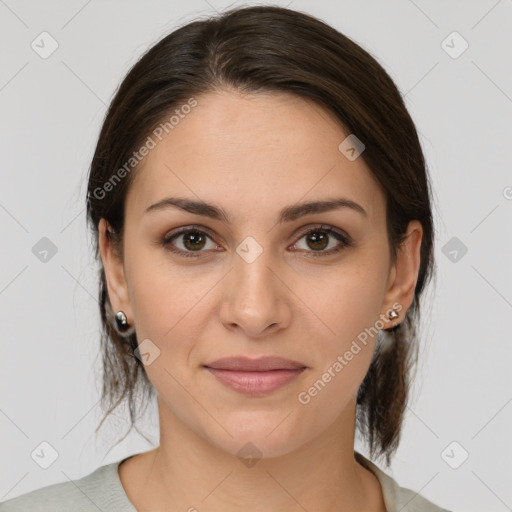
<point>450,60</point>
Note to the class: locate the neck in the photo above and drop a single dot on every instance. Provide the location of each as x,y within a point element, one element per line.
<point>187,472</point>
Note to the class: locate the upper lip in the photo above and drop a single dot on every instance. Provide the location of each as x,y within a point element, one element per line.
<point>242,363</point>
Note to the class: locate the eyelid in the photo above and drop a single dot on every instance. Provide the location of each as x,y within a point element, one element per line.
<point>323,227</point>
<point>186,229</point>
<point>300,232</point>
<point>344,238</point>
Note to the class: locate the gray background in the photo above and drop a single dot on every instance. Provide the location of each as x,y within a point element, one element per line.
<point>51,110</point>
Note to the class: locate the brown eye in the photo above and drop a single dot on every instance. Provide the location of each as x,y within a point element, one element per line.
<point>319,238</point>
<point>193,240</point>
<point>187,241</point>
<point>319,241</point>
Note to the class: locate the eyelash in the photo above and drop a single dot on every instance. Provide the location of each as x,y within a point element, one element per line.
<point>345,240</point>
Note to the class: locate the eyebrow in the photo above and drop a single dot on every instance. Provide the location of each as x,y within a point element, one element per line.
<point>287,214</point>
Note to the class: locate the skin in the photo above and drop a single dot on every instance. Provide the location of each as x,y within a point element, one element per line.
<point>253,155</point>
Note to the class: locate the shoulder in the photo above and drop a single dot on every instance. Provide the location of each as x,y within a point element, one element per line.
<point>99,490</point>
<point>395,496</point>
<point>409,500</point>
<point>57,497</point>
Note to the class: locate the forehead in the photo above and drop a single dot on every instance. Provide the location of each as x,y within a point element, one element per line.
<point>252,151</point>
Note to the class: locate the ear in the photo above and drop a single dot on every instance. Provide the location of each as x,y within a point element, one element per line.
<point>404,275</point>
<point>114,273</point>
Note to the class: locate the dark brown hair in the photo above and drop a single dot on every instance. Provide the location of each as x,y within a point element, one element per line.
<point>271,49</point>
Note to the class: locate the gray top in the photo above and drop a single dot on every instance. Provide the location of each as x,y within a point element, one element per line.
<point>102,490</point>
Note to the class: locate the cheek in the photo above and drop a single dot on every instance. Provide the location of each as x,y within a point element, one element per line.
<point>344,306</point>
<point>340,327</point>
<point>172,311</point>
<point>343,312</point>
<point>164,296</point>
<point>167,307</point>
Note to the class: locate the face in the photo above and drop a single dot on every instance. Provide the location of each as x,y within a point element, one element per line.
<point>256,284</point>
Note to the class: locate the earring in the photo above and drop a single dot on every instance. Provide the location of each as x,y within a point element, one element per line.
<point>122,321</point>
<point>393,314</point>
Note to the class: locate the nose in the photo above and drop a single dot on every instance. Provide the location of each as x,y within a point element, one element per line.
<point>255,298</point>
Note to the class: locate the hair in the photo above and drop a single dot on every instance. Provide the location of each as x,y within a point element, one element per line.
<point>270,49</point>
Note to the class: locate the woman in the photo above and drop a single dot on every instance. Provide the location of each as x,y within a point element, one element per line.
<point>262,212</point>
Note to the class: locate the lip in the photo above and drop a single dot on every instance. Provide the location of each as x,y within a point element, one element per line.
<point>246,364</point>
<point>255,376</point>
<point>255,382</point>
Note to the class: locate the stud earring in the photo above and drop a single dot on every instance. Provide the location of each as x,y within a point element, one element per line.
<point>393,314</point>
<point>122,321</point>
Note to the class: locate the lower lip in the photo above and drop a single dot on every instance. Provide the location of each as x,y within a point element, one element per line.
<point>255,383</point>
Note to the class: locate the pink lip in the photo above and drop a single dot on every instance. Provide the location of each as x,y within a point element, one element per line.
<point>255,382</point>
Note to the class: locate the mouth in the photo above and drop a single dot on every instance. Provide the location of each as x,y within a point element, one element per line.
<point>255,382</point>
<point>246,364</point>
<point>255,376</point>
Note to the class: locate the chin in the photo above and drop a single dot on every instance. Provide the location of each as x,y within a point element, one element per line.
<point>251,449</point>
<point>257,439</point>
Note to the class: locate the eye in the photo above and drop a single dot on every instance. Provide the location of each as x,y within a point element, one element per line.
<point>320,237</point>
<point>193,240</point>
